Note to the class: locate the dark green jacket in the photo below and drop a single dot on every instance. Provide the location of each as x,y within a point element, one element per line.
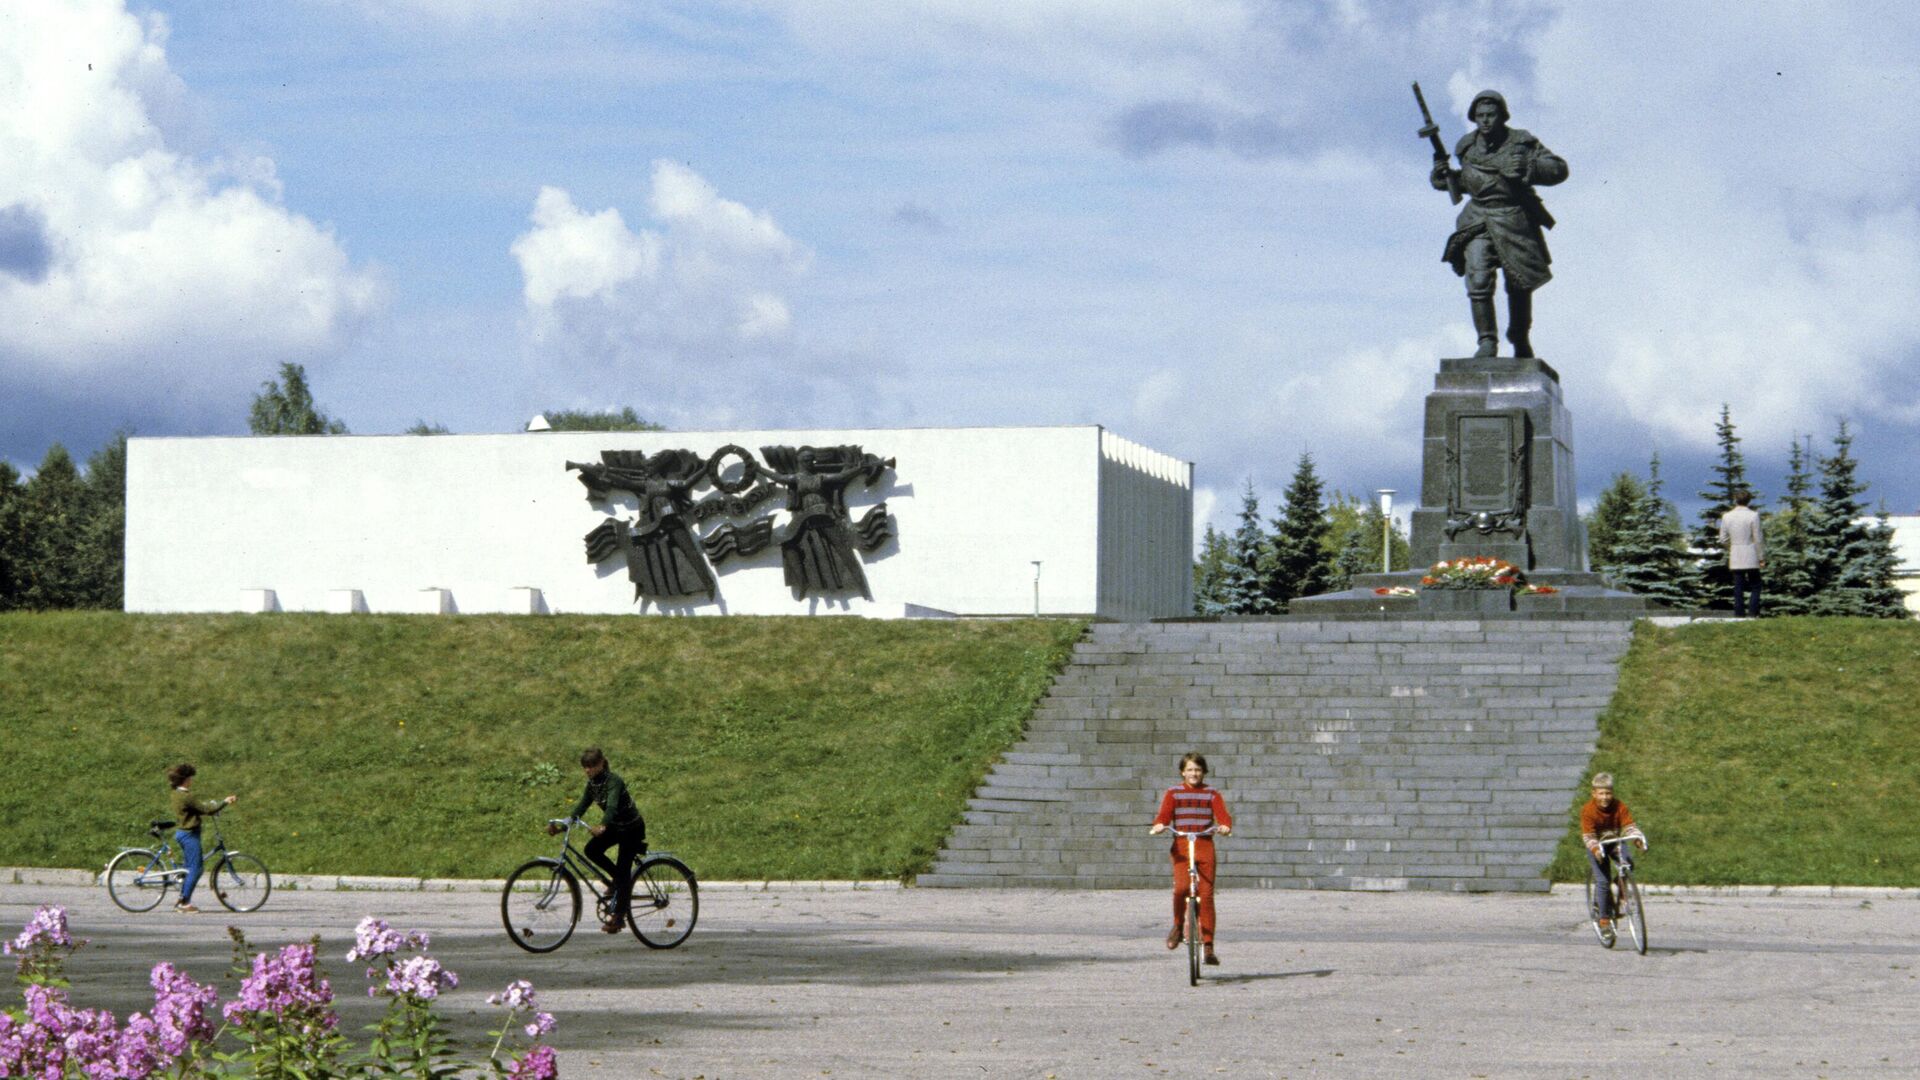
<point>609,793</point>
<point>187,810</point>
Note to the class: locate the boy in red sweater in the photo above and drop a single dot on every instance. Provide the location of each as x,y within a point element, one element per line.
<point>1192,806</point>
<point>1605,818</point>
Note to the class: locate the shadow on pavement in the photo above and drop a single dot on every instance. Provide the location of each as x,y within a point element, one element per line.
<point>1316,973</point>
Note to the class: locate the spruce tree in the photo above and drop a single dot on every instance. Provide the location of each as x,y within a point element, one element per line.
<point>1242,589</point>
<point>1837,538</point>
<point>1787,585</point>
<point>1649,551</point>
<point>1298,566</point>
<point>1611,512</point>
<point>1210,574</point>
<point>285,407</point>
<point>1714,581</point>
<point>1879,572</point>
<point>1355,532</point>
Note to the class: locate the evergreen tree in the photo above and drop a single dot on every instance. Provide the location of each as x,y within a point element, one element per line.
<point>285,407</point>
<point>103,530</point>
<point>1879,571</point>
<point>1299,565</point>
<point>1609,517</point>
<point>1787,584</point>
<point>1241,589</point>
<point>1210,574</point>
<point>50,568</point>
<point>621,419</point>
<point>12,507</point>
<point>1852,561</point>
<point>1715,581</point>
<point>421,427</point>
<point>1649,551</point>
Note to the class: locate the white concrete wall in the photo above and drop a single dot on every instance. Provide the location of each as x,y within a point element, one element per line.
<point>209,519</point>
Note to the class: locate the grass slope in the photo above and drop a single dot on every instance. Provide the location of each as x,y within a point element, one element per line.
<point>1783,752</point>
<point>425,745</point>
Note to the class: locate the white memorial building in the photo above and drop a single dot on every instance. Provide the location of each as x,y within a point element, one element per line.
<point>977,522</point>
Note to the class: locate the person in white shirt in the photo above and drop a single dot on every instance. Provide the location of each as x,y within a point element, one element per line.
<point>1746,553</point>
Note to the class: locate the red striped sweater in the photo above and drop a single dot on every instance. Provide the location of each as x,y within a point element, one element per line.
<point>1193,809</point>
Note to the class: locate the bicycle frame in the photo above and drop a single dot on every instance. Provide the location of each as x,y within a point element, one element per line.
<point>167,868</point>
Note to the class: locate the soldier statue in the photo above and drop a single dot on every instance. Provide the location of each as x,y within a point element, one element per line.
<point>1500,228</point>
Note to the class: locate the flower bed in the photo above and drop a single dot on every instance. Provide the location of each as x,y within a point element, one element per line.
<point>282,1023</point>
<point>1472,572</point>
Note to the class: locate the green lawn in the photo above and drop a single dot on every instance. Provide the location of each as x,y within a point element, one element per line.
<point>436,746</point>
<point>1784,751</point>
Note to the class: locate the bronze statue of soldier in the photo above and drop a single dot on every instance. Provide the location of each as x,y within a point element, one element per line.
<point>1501,227</point>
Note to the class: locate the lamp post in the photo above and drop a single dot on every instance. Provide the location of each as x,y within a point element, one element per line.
<point>1386,529</point>
<point>1036,588</point>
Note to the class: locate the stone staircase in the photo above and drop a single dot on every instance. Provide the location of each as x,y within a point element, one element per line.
<point>1354,753</point>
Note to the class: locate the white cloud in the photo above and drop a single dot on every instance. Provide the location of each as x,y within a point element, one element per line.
<point>689,317</point>
<point>152,259</point>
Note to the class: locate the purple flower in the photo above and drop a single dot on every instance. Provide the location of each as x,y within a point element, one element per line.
<point>542,1023</point>
<point>518,995</point>
<point>284,985</point>
<point>420,977</point>
<point>180,1010</point>
<point>47,927</point>
<point>538,1064</point>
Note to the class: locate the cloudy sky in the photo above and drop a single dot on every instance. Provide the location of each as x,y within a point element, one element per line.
<point>1204,225</point>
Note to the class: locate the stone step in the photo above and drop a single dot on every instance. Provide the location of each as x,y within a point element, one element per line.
<point>1355,754</point>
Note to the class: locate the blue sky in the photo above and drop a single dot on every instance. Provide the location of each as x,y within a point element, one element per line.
<point>1204,225</point>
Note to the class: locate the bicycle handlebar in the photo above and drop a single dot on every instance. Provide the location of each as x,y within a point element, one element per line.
<point>1625,837</point>
<point>1208,831</point>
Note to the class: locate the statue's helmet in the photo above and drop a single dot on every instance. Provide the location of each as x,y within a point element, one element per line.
<point>1494,96</point>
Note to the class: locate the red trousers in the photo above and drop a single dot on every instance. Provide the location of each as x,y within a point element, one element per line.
<point>1203,863</point>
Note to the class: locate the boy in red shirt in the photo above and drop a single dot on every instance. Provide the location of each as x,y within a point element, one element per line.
<point>1192,806</point>
<point>1605,818</point>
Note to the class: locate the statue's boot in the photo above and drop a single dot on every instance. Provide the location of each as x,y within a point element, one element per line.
<point>1485,325</point>
<point>1520,322</point>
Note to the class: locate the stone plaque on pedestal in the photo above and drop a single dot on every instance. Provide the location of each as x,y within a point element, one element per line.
<point>1497,468</point>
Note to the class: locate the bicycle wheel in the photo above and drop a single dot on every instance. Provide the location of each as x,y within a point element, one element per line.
<point>1193,941</point>
<point>1593,915</point>
<point>1633,914</point>
<point>540,906</point>
<point>664,902</point>
<point>241,882</point>
<point>137,880</point>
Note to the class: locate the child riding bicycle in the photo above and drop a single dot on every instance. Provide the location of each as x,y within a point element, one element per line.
<point>620,824</point>
<point>1191,806</point>
<point>1606,818</point>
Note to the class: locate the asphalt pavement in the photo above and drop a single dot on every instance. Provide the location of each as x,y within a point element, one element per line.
<point>794,982</point>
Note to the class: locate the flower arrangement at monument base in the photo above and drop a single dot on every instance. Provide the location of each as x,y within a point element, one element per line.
<point>1472,572</point>
<point>1394,590</point>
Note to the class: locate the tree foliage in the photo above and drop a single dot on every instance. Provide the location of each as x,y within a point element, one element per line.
<point>1610,517</point>
<point>1851,562</point>
<point>284,406</point>
<point>621,419</point>
<point>1649,551</point>
<point>1356,535</point>
<point>1210,574</point>
<point>1787,580</point>
<point>1714,582</point>
<point>1298,563</point>
<point>1243,588</point>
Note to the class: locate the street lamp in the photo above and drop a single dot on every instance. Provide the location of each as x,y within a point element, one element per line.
<point>1386,529</point>
<point>1036,588</point>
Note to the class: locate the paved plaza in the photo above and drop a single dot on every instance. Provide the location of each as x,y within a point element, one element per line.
<point>967,983</point>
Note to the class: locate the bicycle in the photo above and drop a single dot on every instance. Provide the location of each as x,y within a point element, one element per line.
<point>1626,895</point>
<point>540,904</point>
<point>1190,924</point>
<point>139,878</point>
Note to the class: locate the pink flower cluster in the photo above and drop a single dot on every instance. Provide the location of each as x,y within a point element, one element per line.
<point>286,988</point>
<point>537,1064</point>
<point>54,1039</point>
<point>47,928</point>
<point>420,977</point>
<point>373,938</point>
<point>518,995</point>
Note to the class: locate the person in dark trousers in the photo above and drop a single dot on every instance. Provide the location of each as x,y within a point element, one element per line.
<point>620,824</point>
<point>187,812</point>
<point>1746,553</point>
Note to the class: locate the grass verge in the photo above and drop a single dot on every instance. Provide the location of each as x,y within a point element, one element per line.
<point>1783,751</point>
<point>434,746</point>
